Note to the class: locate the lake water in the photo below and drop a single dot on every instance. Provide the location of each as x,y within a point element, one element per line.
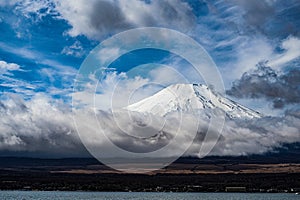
<point>28,195</point>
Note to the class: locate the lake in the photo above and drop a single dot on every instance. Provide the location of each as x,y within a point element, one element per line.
<point>28,195</point>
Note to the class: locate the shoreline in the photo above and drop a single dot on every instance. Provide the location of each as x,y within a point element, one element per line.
<point>215,183</point>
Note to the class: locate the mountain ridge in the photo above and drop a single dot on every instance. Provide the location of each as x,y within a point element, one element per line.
<point>191,98</point>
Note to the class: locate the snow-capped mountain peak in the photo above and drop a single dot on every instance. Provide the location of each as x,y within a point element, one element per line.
<point>190,98</point>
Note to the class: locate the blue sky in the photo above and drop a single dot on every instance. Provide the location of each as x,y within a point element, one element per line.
<point>43,44</point>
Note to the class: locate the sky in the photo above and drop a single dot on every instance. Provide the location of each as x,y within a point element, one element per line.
<point>255,46</point>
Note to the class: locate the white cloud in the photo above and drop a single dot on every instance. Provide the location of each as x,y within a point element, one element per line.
<point>108,53</point>
<point>98,19</point>
<point>75,49</point>
<point>76,13</point>
<point>8,2</point>
<point>114,92</point>
<point>165,75</point>
<point>39,8</point>
<point>291,46</point>
<point>7,67</point>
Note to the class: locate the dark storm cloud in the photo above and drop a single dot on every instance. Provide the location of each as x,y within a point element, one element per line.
<point>264,82</point>
<point>293,113</point>
<point>108,17</point>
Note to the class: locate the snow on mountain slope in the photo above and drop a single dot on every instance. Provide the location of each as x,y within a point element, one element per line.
<point>190,98</point>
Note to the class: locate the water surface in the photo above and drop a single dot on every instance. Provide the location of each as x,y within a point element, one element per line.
<point>57,195</point>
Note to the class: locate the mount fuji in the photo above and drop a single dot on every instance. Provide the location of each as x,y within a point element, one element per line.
<point>191,98</point>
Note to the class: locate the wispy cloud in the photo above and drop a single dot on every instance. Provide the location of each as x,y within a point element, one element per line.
<point>291,48</point>
<point>14,84</point>
<point>37,57</point>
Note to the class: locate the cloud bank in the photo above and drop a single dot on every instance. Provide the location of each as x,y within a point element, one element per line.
<point>42,126</point>
<point>39,126</point>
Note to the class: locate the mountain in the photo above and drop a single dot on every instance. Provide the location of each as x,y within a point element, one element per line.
<point>190,98</point>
